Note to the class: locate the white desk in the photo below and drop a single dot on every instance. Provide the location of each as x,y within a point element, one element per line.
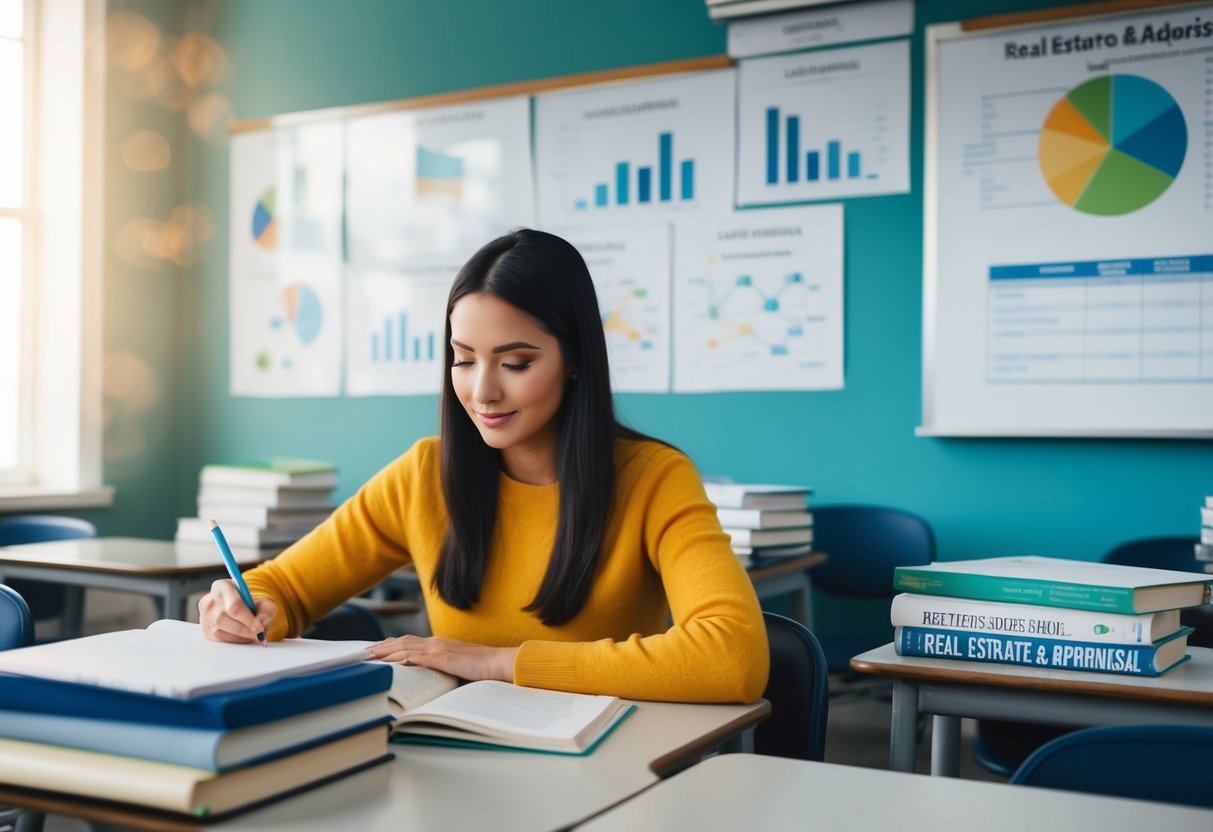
<point>429,787</point>
<point>950,689</point>
<point>164,569</point>
<point>745,791</point>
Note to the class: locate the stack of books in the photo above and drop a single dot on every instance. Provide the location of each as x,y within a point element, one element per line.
<point>163,719</point>
<point>1204,549</point>
<point>272,502</point>
<point>1046,613</point>
<point>763,521</point>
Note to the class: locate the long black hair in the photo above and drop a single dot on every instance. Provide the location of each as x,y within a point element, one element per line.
<point>545,277</point>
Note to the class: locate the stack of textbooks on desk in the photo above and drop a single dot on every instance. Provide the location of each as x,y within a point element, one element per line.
<point>1204,549</point>
<point>1046,613</point>
<point>763,521</point>
<point>268,503</point>
<point>162,719</point>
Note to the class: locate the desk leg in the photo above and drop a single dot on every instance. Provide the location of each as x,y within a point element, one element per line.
<point>801,605</point>
<point>945,746</point>
<point>903,739</point>
<point>72,617</point>
<point>175,600</point>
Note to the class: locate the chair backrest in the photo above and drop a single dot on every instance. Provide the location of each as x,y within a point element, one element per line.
<point>864,543</point>
<point>347,622</point>
<point>38,528</point>
<point>16,624</point>
<point>1165,763</point>
<point>798,690</point>
<point>1177,552</point>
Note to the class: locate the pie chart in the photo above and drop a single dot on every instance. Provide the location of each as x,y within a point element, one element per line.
<point>303,310</point>
<point>265,225</point>
<point>1113,144</point>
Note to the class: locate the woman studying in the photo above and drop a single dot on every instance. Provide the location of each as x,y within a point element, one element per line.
<point>552,544</point>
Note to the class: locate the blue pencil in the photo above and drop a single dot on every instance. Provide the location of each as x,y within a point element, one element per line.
<point>234,571</point>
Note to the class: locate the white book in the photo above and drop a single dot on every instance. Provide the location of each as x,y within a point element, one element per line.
<point>1204,552</point>
<point>759,496</point>
<point>1208,502</point>
<point>198,530</point>
<point>752,518</point>
<point>262,516</point>
<point>789,551</point>
<point>1206,516</point>
<point>1206,535</point>
<point>266,496</point>
<point>758,538</point>
<point>173,659</point>
<point>938,612</point>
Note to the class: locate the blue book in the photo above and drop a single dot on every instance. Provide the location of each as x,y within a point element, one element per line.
<point>211,749</point>
<point>1045,653</point>
<point>283,698</point>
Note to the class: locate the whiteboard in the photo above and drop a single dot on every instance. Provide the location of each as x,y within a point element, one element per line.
<point>1068,220</point>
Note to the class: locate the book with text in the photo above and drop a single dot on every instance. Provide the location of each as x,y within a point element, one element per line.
<point>757,496</point>
<point>1055,582</point>
<point>1045,653</point>
<point>431,707</point>
<point>173,659</point>
<point>751,518</point>
<point>939,612</point>
<point>182,789</point>
<point>276,471</point>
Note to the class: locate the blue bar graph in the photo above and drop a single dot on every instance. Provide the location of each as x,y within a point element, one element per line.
<point>392,344</point>
<point>789,161</point>
<point>793,148</point>
<point>666,165</point>
<point>640,190</point>
<point>772,145</point>
<point>644,184</point>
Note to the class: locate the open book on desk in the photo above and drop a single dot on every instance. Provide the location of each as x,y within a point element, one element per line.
<point>432,707</point>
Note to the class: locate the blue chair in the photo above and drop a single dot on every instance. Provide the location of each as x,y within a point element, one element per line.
<point>863,544</point>
<point>1165,763</point>
<point>1001,746</point>
<point>798,690</point>
<point>48,600</point>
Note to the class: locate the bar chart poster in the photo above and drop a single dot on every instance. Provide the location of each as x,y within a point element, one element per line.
<point>824,125</point>
<point>655,150</point>
<point>1069,268</point>
<point>395,324</point>
<point>630,266</point>
<point>433,185</point>
<point>758,301</point>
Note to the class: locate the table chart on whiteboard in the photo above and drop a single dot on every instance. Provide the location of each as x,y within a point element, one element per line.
<point>1138,320</point>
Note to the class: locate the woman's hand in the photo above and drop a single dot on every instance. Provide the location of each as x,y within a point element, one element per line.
<point>225,617</point>
<point>458,658</point>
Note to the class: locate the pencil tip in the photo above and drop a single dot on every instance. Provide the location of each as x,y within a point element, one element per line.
<point>260,636</point>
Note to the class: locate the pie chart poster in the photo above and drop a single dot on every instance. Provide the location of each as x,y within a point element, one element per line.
<point>1065,163</point>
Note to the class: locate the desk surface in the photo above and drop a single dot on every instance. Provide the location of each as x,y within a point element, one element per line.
<point>748,791</point>
<point>429,787</point>
<point>1190,683</point>
<point>127,555</point>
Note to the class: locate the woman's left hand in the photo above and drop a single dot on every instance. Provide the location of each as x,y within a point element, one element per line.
<point>458,658</point>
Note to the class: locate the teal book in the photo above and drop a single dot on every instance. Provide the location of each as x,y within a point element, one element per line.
<point>1044,653</point>
<point>1055,582</point>
<point>282,472</point>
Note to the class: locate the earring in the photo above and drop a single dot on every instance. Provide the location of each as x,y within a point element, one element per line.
<point>573,377</point>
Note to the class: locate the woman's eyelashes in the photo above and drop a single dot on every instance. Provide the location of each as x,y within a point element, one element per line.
<point>515,368</point>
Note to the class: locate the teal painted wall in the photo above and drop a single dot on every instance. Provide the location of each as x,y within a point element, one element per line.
<point>983,496</point>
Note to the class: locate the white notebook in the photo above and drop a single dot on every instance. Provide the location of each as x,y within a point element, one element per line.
<point>174,659</point>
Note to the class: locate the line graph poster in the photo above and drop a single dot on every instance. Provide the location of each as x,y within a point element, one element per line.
<point>284,284</point>
<point>395,323</point>
<point>758,301</point>
<point>630,266</point>
<point>824,124</point>
<point>433,185</point>
<point>1069,248</point>
<point>642,152</point>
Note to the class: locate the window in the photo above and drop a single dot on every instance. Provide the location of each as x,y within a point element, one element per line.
<point>50,131</point>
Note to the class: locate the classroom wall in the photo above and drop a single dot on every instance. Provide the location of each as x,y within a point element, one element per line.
<point>983,496</point>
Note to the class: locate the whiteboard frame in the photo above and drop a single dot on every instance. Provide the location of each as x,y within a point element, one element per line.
<point>930,249</point>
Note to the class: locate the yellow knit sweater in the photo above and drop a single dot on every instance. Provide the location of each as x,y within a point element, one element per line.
<point>665,557</point>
